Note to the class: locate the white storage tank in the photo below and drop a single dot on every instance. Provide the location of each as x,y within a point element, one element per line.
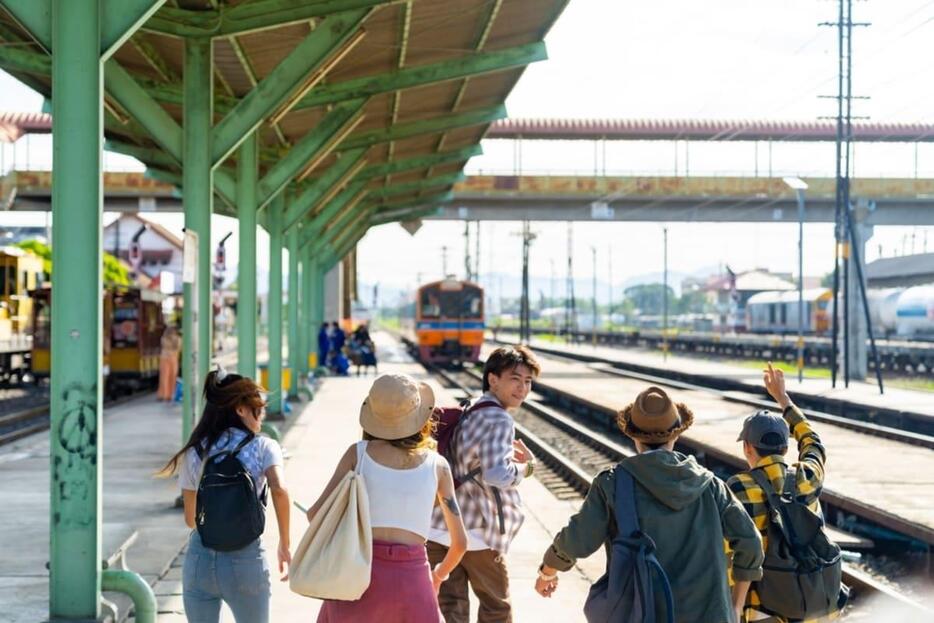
<point>915,312</point>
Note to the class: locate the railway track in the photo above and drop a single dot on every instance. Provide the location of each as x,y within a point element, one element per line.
<point>35,419</point>
<point>907,427</point>
<point>572,453</point>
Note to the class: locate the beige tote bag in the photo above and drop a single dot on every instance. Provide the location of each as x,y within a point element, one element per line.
<point>334,557</point>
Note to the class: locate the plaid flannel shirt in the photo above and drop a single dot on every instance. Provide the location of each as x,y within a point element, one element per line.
<point>809,480</point>
<point>489,503</point>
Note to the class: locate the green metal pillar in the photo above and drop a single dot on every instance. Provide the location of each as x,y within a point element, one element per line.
<point>77,81</point>
<point>318,285</point>
<point>294,310</point>
<point>197,197</point>
<point>247,163</point>
<point>309,324</point>
<point>274,306</point>
<point>302,335</point>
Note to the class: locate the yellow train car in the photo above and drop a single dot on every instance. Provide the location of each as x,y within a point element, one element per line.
<point>20,272</point>
<point>132,328</point>
<point>449,322</point>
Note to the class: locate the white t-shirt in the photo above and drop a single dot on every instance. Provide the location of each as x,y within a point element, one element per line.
<point>257,456</point>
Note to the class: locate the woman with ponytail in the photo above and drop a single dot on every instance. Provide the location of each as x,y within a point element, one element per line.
<point>234,408</point>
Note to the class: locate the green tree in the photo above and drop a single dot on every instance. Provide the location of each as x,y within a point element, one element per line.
<point>115,272</point>
<point>648,298</point>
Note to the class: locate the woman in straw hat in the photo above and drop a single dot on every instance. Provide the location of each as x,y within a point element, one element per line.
<point>404,479</point>
<point>682,507</point>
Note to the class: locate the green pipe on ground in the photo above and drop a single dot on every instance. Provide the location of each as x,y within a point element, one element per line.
<point>132,584</point>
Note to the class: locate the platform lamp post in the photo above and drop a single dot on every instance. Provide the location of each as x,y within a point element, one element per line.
<point>799,186</point>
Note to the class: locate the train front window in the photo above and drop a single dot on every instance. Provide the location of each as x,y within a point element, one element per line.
<point>464,303</point>
<point>430,303</point>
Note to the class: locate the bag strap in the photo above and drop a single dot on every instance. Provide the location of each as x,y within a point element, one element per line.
<point>627,521</point>
<point>361,452</point>
<point>772,499</point>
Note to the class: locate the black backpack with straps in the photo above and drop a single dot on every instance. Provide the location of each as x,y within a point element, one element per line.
<point>229,515</point>
<point>802,573</point>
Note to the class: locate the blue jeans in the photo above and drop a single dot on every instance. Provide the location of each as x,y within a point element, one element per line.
<point>239,578</point>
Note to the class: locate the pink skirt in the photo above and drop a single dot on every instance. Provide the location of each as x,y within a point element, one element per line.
<point>400,590</point>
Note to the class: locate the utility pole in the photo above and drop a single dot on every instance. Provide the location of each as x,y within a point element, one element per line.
<point>467,264</point>
<point>665,295</point>
<point>609,286</point>
<point>593,333</point>
<point>476,270</point>
<point>842,248</point>
<point>525,327</point>
<point>444,262</point>
<point>570,311</point>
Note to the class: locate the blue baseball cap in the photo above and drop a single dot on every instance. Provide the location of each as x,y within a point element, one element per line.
<point>766,430</point>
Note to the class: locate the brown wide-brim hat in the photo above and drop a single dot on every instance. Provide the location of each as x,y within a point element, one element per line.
<point>653,418</point>
<point>396,407</point>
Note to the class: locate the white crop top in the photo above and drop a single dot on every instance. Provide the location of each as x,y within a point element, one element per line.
<point>400,498</point>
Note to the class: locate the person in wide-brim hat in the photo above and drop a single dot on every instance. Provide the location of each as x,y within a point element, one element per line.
<point>654,418</point>
<point>396,407</point>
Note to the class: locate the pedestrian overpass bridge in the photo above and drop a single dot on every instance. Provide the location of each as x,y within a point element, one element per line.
<point>897,201</point>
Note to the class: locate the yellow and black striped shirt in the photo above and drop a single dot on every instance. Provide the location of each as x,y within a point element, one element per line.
<point>809,480</point>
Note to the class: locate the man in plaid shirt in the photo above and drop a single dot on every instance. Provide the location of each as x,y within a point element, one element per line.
<point>490,463</point>
<point>765,442</point>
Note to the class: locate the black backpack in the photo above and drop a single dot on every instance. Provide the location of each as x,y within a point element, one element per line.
<point>626,592</point>
<point>229,514</point>
<point>801,576</point>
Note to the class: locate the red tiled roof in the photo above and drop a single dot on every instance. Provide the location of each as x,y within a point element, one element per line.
<point>705,130</point>
<point>13,125</point>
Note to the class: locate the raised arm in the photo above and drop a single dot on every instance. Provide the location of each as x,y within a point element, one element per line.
<point>455,525</point>
<point>811,454</point>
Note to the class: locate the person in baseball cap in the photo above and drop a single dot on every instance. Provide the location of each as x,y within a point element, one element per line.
<point>766,432</point>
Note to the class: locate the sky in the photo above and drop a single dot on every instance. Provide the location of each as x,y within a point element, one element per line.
<point>720,59</point>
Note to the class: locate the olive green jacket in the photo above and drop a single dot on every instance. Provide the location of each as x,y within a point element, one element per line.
<point>688,512</point>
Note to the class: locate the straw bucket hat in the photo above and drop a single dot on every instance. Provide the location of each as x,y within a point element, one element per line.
<point>396,407</point>
<point>654,418</point>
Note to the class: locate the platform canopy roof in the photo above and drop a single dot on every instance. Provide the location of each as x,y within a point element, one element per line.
<point>387,98</point>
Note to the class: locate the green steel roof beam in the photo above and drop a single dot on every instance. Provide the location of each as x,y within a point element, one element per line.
<point>248,17</point>
<point>402,217</point>
<point>306,64</point>
<point>133,98</point>
<point>419,186</point>
<point>313,147</point>
<point>333,214</point>
<point>15,58</point>
<point>338,253</point>
<point>428,126</point>
<point>34,16</point>
<point>421,162</point>
<point>360,218</point>
<point>120,19</point>
<point>147,155</point>
<point>481,63</point>
<point>333,179</point>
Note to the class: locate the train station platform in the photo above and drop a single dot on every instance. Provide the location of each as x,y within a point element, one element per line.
<point>139,509</point>
<point>317,438</point>
<point>888,479</point>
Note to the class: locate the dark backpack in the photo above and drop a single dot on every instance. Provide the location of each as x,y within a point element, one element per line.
<point>449,421</point>
<point>229,515</point>
<point>801,576</point>
<point>626,592</point>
